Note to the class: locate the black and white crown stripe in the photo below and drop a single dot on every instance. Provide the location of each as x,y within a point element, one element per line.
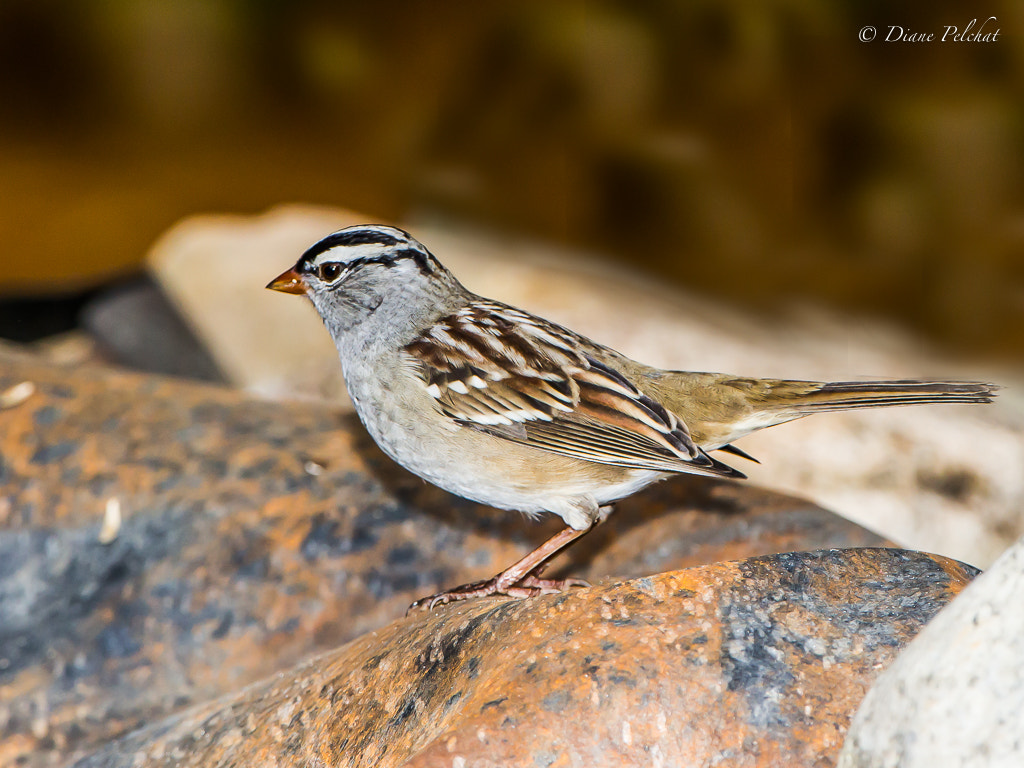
<point>358,246</point>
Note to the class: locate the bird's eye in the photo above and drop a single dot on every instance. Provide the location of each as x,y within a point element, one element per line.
<point>329,271</point>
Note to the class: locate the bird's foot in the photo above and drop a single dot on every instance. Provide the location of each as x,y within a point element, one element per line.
<point>521,579</point>
<point>529,585</point>
<point>551,586</point>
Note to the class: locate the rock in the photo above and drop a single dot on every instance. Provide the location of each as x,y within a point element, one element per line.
<point>137,327</point>
<point>942,479</point>
<point>955,696</point>
<point>253,534</point>
<point>759,662</point>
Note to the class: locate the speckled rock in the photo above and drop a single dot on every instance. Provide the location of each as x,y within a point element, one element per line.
<point>955,696</point>
<point>759,662</point>
<point>243,535</point>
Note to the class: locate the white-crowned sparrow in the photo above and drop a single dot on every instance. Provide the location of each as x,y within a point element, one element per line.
<point>502,407</point>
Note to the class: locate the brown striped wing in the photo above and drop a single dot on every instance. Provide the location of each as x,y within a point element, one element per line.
<point>513,375</point>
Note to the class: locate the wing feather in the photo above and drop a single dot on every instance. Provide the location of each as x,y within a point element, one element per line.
<point>513,375</point>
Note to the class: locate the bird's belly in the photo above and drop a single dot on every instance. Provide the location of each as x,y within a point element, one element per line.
<point>498,472</point>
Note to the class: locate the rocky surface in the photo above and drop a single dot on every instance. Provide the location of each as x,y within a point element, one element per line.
<point>759,662</point>
<point>955,697</point>
<point>135,325</point>
<point>165,542</point>
<point>941,479</point>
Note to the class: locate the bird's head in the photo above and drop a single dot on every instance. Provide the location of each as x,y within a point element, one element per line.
<point>358,271</point>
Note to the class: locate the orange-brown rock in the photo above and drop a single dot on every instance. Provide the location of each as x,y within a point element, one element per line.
<point>252,535</point>
<point>759,662</point>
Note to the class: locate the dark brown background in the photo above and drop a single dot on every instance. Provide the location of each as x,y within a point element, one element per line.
<point>760,153</point>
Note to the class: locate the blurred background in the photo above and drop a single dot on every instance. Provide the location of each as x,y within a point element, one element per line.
<point>756,152</point>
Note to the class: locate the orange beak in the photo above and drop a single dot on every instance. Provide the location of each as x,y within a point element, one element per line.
<point>288,282</point>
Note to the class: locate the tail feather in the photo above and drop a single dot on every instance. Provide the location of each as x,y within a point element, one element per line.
<point>721,469</point>
<point>844,395</point>
<point>720,409</point>
<point>730,448</point>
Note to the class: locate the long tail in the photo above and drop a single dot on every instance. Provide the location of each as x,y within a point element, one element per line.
<point>719,408</point>
<point>844,395</point>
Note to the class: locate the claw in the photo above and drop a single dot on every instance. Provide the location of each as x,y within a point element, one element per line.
<point>521,579</point>
<point>529,586</point>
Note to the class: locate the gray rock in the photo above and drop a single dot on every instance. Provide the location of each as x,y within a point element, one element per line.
<point>137,327</point>
<point>955,696</point>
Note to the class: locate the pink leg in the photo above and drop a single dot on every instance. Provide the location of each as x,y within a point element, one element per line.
<point>521,579</point>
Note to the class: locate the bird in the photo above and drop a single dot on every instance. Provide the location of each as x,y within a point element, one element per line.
<point>507,409</point>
